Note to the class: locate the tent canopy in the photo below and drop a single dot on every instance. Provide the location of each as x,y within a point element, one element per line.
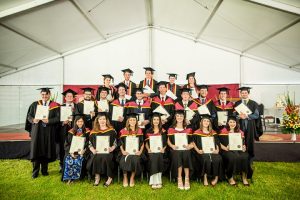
<point>33,31</point>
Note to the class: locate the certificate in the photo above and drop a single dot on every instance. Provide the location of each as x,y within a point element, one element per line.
<point>109,97</point>
<point>117,112</point>
<point>65,113</point>
<point>242,108</point>
<point>208,144</point>
<point>102,144</point>
<point>132,145</point>
<point>162,111</point>
<point>103,105</point>
<point>203,110</point>
<point>171,95</point>
<point>42,112</point>
<point>189,114</point>
<point>180,141</point>
<point>141,119</point>
<point>88,107</point>
<point>222,117</point>
<point>194,93</point>
<point>77,144</point>
<point>127,97</point>
<point>235,142</point>
<point>155,143</point>
<point>148,90</point>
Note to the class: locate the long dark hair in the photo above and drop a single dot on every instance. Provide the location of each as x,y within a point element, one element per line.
<point>75,127</point>
<point>159,125</point>
<point>174,123</point>
<point>236,128</point>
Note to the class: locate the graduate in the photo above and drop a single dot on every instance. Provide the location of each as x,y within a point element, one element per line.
<point>119,101</point>
<point>192,84</point>
<point>127,73</point>
<point>103,92</point>
<point>149,80</point>
<point>107,79</point>
<point>75,162</point>
<point>131,163</point>
<point>172,86</point>
<point>42,133</point>
<point>141,106</point>
<point>89,118</point>
<point>185,102</point>
<point>69,96</point>
<point>209,165</point>
<point>203,100</point>
<point>181,160</point>
<point>161,99</point>
<point>248,121</point>
<point>223,105</point>
<point>102,163</point>
<point>236,162</point>
<point>157,160</point>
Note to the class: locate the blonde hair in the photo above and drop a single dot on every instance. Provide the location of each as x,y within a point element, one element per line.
<point>209,126</point>
<point>96,125</point>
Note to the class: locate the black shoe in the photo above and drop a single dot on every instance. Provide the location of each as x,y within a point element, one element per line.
<point>34,176</point>
<point>45,174</point>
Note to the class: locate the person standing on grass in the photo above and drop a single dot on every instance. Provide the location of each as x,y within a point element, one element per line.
<point>181,158</point>
<point>42,133</point>
<point>75,162</point>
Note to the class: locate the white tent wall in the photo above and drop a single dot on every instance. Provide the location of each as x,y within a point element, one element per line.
<point>130,51</point>
<point>18,90</point>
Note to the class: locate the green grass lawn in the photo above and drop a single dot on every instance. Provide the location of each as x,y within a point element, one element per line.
<point>271,181</point>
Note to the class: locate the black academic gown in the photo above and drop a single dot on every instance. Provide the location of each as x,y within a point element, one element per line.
<point>180,158</point>
<point>88,119</point>
<point>212,109</point>
<point>235,162</point>
<point>168,104</point>
<point>175,89</point>
<point>226,108</point>
<point>103,163</point>
<point>248,126</point>
<point>118,126</point>
<point>193,106</point>
<point>112,92</point>
<point>42,146</point>
<point>153,84</point>
<point>157,162</point>
<point>131,163</point>
<point>207,163</point>
<point>67,146</point>
<point>61,137</point>
<point>131,88</point>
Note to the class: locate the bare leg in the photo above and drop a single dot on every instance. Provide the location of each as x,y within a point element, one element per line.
<point>132,179</point>
<point>215,181</point>
<point>97,179</point>
<point>180,183</point>
<point>187,185</point>
<point>205,182</point>
<point>244,178</point>
<point>125,179</point>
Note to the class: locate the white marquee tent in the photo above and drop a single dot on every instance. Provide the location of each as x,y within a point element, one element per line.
<point>65,42</point>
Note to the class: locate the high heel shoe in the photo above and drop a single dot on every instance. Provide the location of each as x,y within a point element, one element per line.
<point>180,184</point>
<point>105,184</point>
<point>97,181</point>
<point>187,185</point>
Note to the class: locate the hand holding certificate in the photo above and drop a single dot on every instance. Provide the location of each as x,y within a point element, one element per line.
<point>222,117</point>
<point>155,144</point>
<point>42,112</point>
<point>117,112</point>
<point>88,107</point>
<point>203,110</point>
<point>181,141</point>
<point>208,144</point>
<point>171,95</point>
<point>103,105</point>
<point>77,144</point>
<point>65,113</point>
<point>102,144</point>
<point>132,145</point>
<point>242,108</point>
<point>235,142</point>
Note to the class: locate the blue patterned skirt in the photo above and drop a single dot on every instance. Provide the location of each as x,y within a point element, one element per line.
<point>72,168</point>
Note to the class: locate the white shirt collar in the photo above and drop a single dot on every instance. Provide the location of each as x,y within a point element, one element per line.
<point>142,101</point>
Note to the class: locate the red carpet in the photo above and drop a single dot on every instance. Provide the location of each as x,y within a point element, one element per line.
<point>14,136</point>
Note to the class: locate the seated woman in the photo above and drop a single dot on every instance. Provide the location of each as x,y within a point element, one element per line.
<point>102,159</point>
<point>74,162</point>
<point>210,163</point>
<point>156,157</point>
<point>181,158</point>
<point>236,162</point>
<point>132,146</point>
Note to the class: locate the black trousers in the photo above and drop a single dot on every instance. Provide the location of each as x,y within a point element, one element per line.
<point>38,164</point>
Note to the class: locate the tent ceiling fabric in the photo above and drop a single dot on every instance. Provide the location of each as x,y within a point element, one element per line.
<point>60,26</point>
